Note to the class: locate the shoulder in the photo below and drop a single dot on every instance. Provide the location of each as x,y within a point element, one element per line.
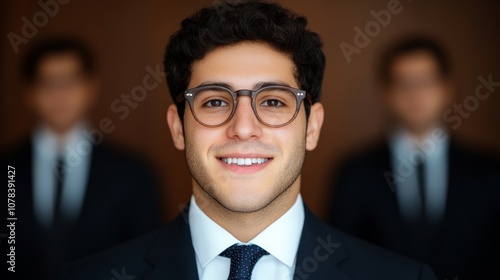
<point>136,257</point>
<point>335,252</point>
<point>363,171</point>
<point>472,157</point>
<point>128,258</point>
<point>367,159</point>
<point>367,261</point>
<point>20,150</point>
<point>122,167</point>
<point>121,156</point>
<point>475,169</point>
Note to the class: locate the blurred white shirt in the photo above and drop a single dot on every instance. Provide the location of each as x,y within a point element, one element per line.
<point>403,148</point>
<point>75,151</point>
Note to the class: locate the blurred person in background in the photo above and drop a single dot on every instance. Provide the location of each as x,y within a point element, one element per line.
<point>74,195</point>
<point>420,192</point>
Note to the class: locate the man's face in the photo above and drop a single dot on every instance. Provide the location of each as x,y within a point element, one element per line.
<point>61,94</point>
<point>418,94</point>
<point>245,188</point>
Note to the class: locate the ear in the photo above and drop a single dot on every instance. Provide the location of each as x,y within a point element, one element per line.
<point>314,125</point>
<point>175,125</point>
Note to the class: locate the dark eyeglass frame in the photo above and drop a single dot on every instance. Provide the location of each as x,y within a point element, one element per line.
<point>190,94</point>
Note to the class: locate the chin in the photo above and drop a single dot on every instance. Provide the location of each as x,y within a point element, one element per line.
<point>245,201</point>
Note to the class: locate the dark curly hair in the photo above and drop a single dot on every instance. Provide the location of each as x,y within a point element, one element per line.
<point>409,45</point>
<point>61,44</point>
<point>228,23</point>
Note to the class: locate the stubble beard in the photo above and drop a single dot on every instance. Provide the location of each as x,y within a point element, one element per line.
<point>284,178</point>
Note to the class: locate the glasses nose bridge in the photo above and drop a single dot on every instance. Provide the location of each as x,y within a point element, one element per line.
<point>244,92</point>
<point>247,93</point>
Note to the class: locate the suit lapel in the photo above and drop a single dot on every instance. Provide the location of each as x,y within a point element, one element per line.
<point>172,256</point>
<point>24,177</point>
<point>385,164</point>
<point>319,252</point>
<point>24,189</point>
<point>87,215</point>
<point>456,182</point>
<point>94,181</point>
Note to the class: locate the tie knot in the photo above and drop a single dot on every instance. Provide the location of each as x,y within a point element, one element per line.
<point>243,259</point>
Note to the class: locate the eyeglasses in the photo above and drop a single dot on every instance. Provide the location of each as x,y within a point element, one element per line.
<point>274,106</point>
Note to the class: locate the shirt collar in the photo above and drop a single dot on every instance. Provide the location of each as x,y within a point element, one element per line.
<point>48,144</point>
<point>281,239</point>
<point>403,143</point>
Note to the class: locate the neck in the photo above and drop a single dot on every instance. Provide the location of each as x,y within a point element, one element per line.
<point>57,129</point>
<point>245,226</point>
<point>61,131</point>
<point>421,132</point>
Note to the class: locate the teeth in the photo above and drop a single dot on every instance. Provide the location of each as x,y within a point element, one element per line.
<point>244,161</point>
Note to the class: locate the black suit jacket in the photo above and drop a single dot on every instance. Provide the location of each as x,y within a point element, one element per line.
<point>465,245</point>
<point>324,253</point>
<point>120,203</point>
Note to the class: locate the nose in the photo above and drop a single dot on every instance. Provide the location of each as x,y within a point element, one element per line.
<point>244,125</point>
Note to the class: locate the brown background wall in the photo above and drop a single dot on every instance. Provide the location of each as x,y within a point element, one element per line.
<point>128,36</point>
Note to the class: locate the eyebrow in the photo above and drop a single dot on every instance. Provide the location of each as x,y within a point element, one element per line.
<point>255,86</point>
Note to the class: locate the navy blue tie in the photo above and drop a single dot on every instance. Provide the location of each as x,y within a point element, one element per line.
<point>243,259</point>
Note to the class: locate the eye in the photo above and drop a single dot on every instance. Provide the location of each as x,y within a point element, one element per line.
<point>215,103</point>
<point>272,103</point>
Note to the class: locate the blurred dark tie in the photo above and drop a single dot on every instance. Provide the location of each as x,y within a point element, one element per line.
<point>243,260</point>
<point>57,236</point>
<point>423,231</point>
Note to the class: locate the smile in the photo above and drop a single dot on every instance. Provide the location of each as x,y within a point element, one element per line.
<point>244,161</point>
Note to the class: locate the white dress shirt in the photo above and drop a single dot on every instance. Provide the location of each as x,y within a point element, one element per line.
<point>281,239</point>
<point>434,154</point>
<point>75,151</point>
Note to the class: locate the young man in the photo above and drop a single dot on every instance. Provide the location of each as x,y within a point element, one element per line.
<point>246,81</point>
<point>69,187</point>
<point>421,194</point>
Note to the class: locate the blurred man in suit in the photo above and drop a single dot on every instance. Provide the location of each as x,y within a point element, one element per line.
<point>246,78</point>
<point>420,193</point>
<point>74,195</point>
